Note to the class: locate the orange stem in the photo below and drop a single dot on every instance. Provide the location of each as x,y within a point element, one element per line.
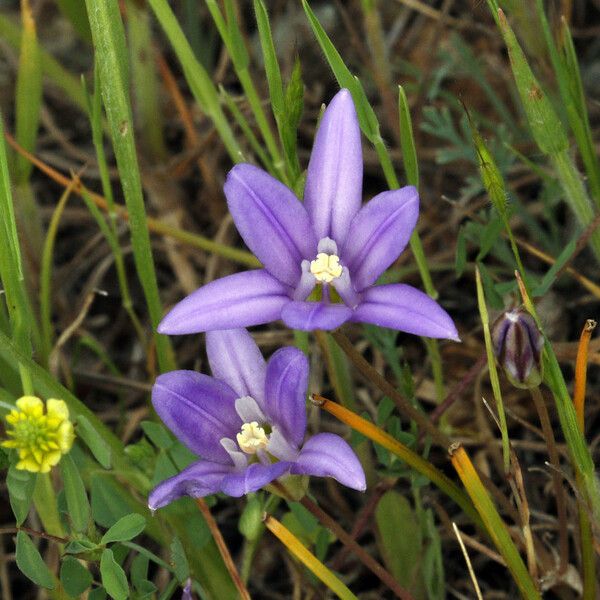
<point>581,371</point>
<point>225,554</point>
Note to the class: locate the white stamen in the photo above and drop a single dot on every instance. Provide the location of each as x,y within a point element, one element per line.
<point>252,438</point>
<point>326,267</point>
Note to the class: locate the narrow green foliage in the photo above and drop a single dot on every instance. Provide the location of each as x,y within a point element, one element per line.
<point>490,176</point>
<point>20,486</point>
<point>46,276</point>
<point>28,93</point>
<point>545,125</point>
<point>11,269</point>
<point>113,576</point>
<point>94,441</point>
<point>566,69</point>
<point>198,79</point>
<point>74,577</point>
<point>290,120</point>
<point>403,554</point>
<point>76,12</point>
<point>125,529</point>
<point>179,560</point>
<point>56,73</point>
<point>231,35</point>
<point>75,494</point>
<point>31,564</point>
<point>287,104</point>
<point>109,40</point>
<point>366,116</point>
<point>272,70</point>
<point>145,86</point>
<point>493,372</point>
<point>407,140</point>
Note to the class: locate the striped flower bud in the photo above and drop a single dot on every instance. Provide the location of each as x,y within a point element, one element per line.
<point>517,344</point>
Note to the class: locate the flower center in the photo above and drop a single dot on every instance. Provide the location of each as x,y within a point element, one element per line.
<point>326,267</point>
<point>252,438</point>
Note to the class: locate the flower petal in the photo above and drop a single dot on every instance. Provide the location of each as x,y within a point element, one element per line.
<point>308,316</point>
<point>199,410</point>
<point>235,359</point>
<point>379,233</point>
<point>240,300</point>
<point>253,478</point>
<point>200,479</point>
<point>328,455</point>
<point>405,308</point>
<point>285,392</point>
<point>271,220</point>
<point>333,190</point>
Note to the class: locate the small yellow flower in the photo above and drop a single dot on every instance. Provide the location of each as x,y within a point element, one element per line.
<point>40,439</point>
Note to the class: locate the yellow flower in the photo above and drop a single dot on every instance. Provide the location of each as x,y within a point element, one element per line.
<point>40,439</point>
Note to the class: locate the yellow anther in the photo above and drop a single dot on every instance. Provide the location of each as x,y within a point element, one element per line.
<point>326,267</point>
<point>40,439</point>
<point>252,438</point>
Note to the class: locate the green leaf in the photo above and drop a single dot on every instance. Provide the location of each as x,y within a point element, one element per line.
<point>546,127</point>
<point>113,576</point>
<point>179,560</point>
<point>108,505</point>
<point>97,594</point>
<point>75,495</point>
<point>93,440</point>
<point>366,115</point>
<point>74,577</point>
<point>461,253</point>
<point>157,434</point>
<point>28,94</point>
<point>80,546</point>
<point>197,77</point>
<point>126,528</point>
<point>139,570</point>
<point>402,553</point>
<point>552,272</point>
<point>20,491</point>
<point>407,140</point>
<point>31,564</point>
<point>272,70</point>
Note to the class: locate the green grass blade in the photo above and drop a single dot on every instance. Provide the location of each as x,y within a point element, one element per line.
<point>12,33</point>
<point>200,83</point>
<point>145,86</point>
<point>109,41</point>
<point>28,94</point>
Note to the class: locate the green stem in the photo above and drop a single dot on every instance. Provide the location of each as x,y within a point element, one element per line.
<point>493,372</point>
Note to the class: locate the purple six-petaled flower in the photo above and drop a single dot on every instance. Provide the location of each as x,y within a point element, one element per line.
<point>247,422</point>
<point>322,257</point>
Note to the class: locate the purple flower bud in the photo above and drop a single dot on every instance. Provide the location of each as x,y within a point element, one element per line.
<point>517,344</point>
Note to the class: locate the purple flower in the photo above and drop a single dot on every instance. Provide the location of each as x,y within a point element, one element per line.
<point>322,257</point>
<point>247,423</point>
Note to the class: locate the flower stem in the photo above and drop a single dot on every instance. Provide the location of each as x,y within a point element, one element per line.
<point>295,546</point>
<point>494,524</point>
<point>581,372</point>
<point>561,507</point>
<point>389,390</point>
<point>225,554</point>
